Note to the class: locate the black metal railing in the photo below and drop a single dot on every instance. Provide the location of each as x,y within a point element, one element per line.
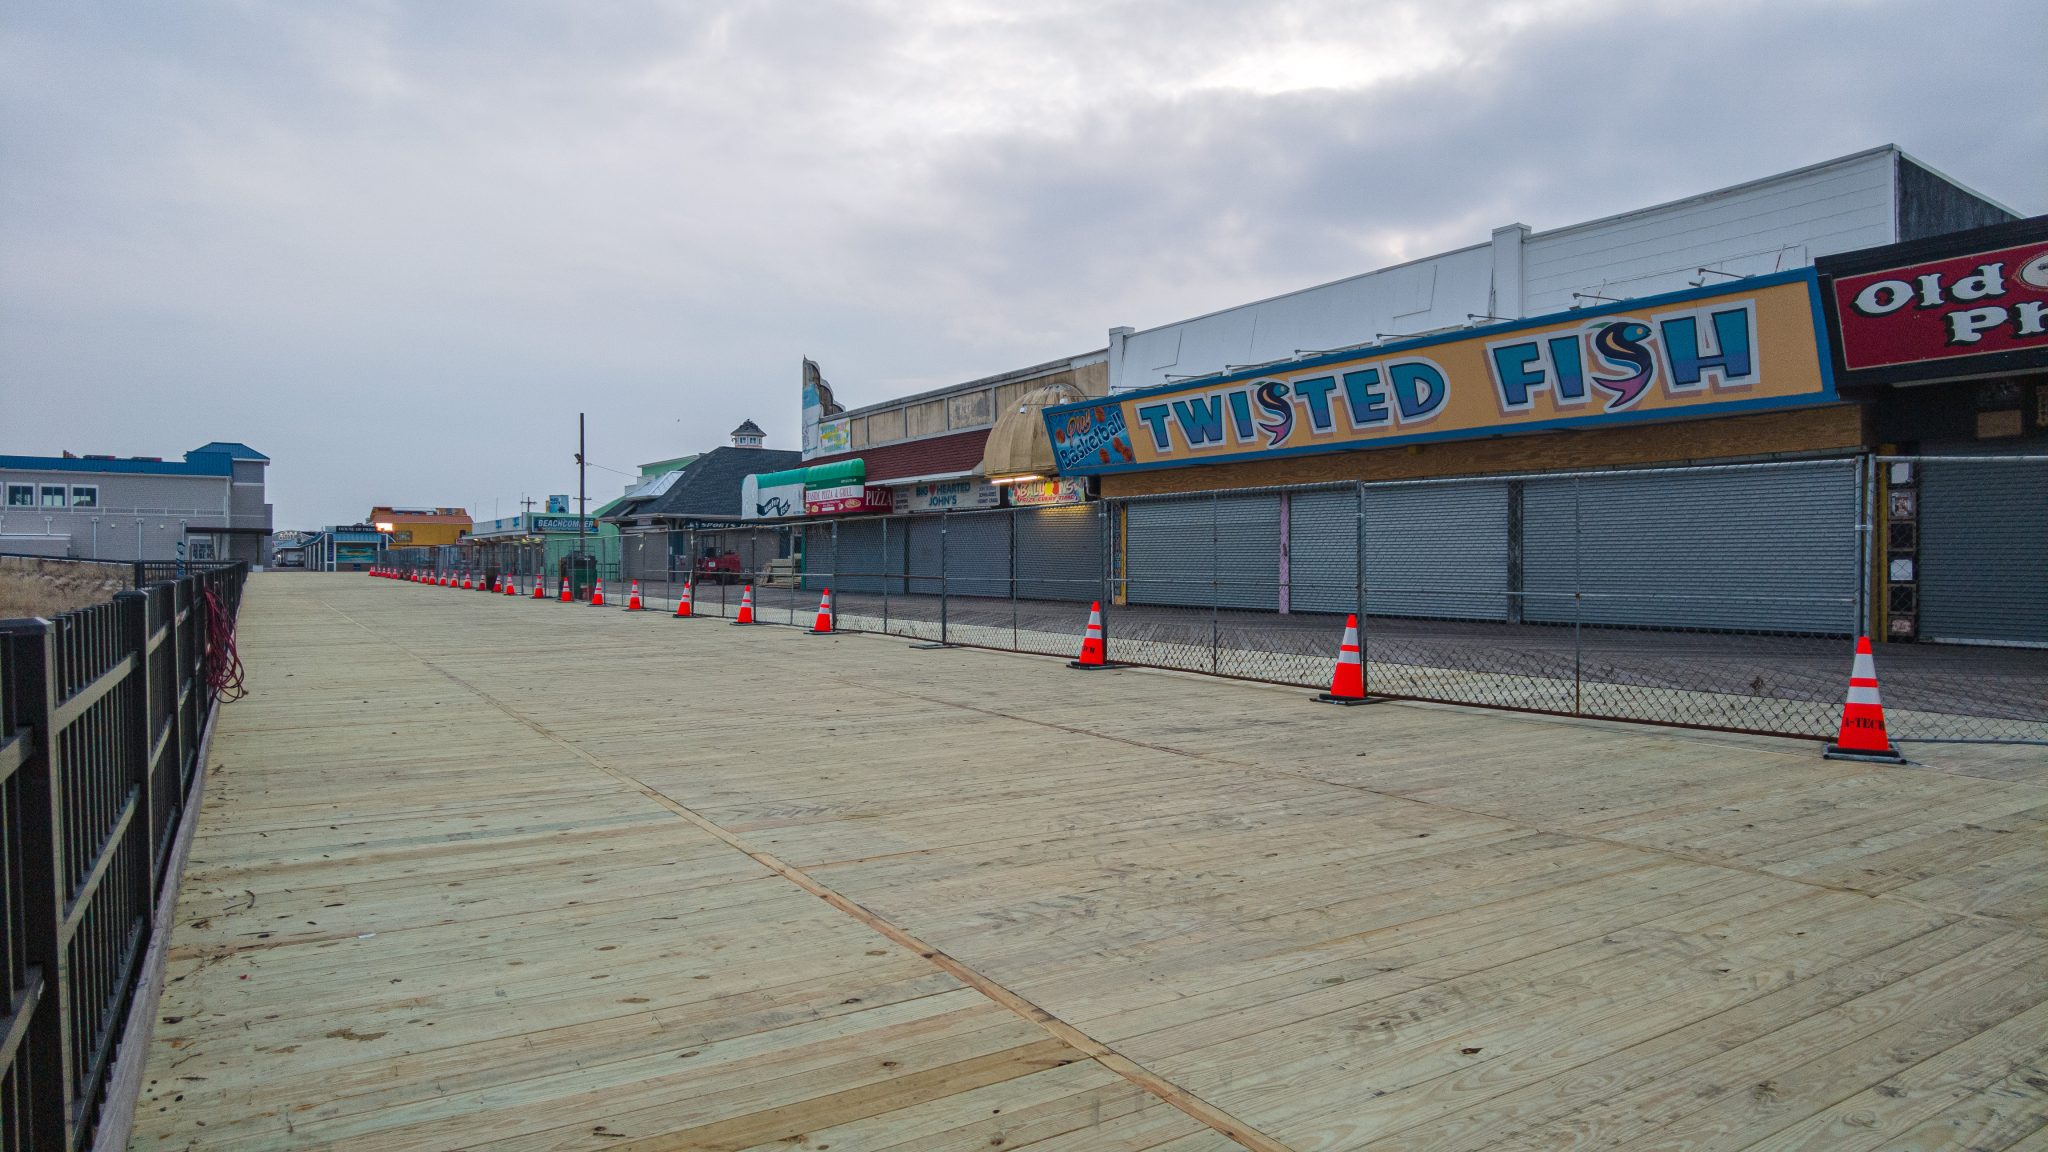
<point>101,716</point>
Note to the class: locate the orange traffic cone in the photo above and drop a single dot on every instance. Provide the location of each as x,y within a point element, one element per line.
<point>746,607</point>
<point>683,604</point>
<point>823,627</point>
<point>1348,685</point>
<point>633,603</point>
<point>566,597</point>
<point>540,587</point>
<point>1092,652</point>
<point>597,595</point>
<point>511,586</point>
<point>1863,736</point>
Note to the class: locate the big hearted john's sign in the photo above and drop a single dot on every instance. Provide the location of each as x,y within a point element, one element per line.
<point>1754,345</point>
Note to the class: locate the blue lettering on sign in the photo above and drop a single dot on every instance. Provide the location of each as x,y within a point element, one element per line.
<point>1154,416</point>
<point>1730,360</point>
<point>1241,416</point>
<point>1517,370</point>
<point>1363,396</point>
<point>1201,419</point>
<point>1316,390</point>
<point>1419,389</point>
<point>1569,366</point>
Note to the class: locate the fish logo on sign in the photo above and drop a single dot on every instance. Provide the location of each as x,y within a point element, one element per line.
<point>1271,397</point>
<point>1625,344</point>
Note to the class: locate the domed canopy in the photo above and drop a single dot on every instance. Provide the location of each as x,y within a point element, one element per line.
<point>1017,445</point>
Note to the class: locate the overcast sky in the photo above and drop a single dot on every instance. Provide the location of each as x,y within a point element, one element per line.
<point>398,246</point>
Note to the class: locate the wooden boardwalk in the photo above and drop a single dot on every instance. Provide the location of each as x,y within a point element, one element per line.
<point>483,872</point>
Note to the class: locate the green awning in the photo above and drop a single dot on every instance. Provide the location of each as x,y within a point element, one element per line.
<point>854,471</point>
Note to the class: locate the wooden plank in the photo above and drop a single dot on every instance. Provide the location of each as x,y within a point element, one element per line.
<point>485,873</point>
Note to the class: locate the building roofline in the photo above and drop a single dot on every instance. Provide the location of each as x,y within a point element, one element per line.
<point>211,464</point>
<point>1727,190</point>
<point>984,382</point>
<point>1487,243</point>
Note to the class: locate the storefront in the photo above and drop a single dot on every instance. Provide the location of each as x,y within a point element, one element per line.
<point>1948,339</point>
<point>1500,473</point>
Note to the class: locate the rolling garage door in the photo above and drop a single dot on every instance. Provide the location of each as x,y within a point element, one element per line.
<point>1764,547</point>
<point>1195,552</point>
<point>858,564</point>
<point>1984,551</point>
<point>978,554</point>
<point>1059,553</point>
<point>1322,551</point>
<point>1437,550</point>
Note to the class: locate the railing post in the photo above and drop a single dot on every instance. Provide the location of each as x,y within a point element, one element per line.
<point>46,1051</point>
<point>1105,530</point>
<point>137,740</point>
<point>1364,630</point>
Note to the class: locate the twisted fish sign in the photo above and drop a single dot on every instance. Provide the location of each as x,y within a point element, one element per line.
<point>1756,344</point>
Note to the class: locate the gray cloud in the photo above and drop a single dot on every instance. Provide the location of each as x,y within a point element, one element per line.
<point>399,246</point>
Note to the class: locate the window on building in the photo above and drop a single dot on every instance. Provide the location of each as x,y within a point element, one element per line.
<point>53,495</point>
<point>968,411</point>
<point>926,419</point>
<point>857,429</point>
<point>21,495</point>
<point>85,496</point>
<point>885,426</point>
<point>199,548</point>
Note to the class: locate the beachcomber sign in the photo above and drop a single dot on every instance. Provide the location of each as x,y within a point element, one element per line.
<point>1753,345</point>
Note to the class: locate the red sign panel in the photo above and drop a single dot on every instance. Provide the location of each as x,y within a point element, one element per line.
<point>1975,305</point>
<point>845,498</point>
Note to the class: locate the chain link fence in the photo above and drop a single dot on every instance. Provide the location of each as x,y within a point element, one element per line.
<point>1725,596</point>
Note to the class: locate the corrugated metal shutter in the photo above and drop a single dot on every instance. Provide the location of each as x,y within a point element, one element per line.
<point>1437,550</point>
<point>1167,554</point>
<point>978,554</point>
<point>1764,548</point>
<point>1248,552</point>
<point>858,565</point>
<point>1221,550</point>
<point>1322,551</point>
<point>1059,553</point>
<point>1983,554</point>
<point>921,560</point>
<point>818,559</point>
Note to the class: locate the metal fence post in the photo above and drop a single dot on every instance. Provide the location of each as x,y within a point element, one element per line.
<point>1865,542</point>
<point>136,739</point>
<point>45,1051</point>
<point>945,587</point>
<point>885,575</point>
<point>1215,582</point>
<point>1358,574</point>
<point>1578,602</point>
<point>1105,529</point>
<point>1013,514</point>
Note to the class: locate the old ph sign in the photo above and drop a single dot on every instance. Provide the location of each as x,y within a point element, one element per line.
<point>1965,304</point>
<point>1752,345</point>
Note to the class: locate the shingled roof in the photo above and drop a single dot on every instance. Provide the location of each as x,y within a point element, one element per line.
<point>709,487</point>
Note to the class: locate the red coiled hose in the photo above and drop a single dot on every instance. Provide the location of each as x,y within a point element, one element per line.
<point>223,666</point>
